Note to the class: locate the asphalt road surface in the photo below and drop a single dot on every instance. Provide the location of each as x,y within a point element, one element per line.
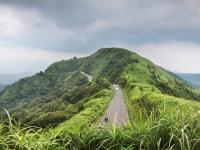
<point>117,111</point>
<point>87,75</point>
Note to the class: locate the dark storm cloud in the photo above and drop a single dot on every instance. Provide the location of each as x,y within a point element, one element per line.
<point>56,28</point>
<point>91,23</point>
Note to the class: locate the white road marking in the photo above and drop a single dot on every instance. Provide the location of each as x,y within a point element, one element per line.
<point>115,119</point>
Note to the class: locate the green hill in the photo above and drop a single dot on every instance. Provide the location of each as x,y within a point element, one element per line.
<point>120,65</point>
<point>63,94</point>
<point>50,91</point>
<point>49,98</point>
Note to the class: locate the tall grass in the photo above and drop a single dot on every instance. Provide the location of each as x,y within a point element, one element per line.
<point>171,124</point>
<point>62,137</point>
<point>14,137</point>
<point>159,130</point>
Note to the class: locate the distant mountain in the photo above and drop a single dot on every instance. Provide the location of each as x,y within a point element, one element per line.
<point>2,86</point>
<point>11,78</point>
<point>191,77</point>
<point>54,95</point>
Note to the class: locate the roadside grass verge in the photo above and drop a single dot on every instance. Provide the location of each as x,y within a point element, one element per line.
<point>91,111</point>
<point>15,137</point>
<point>160,122</point>
<point>152,133</point>
<point>177,131</point>
<point>146,98</point>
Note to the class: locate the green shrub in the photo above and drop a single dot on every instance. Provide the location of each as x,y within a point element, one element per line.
<point>50,119</point>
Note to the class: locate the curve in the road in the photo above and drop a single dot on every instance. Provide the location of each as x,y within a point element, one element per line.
<point>87,75</point>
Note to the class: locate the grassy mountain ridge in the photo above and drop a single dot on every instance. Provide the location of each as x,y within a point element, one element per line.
<point>97,64</point>
<point>144,71</point>
<point>161,106</point>
<point>47,98</point>
<point>116,64</point>
<point>54,89</point>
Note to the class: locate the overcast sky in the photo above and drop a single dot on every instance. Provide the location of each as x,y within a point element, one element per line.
<point>36,33</point>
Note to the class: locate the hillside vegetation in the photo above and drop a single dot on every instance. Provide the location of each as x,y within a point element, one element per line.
<point>163,108</point>
<point>48,99</point>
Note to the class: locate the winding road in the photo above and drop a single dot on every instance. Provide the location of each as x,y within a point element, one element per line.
<point>87,75</point>
<point>117,111</point>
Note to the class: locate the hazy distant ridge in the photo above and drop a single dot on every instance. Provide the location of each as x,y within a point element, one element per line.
<point>191,77</point>
<point>2,87</point>
<point>11,78</point>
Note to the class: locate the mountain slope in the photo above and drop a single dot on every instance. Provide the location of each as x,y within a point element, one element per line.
<point>48,98</point>
<point>61,90</point>
<point>144,71</point>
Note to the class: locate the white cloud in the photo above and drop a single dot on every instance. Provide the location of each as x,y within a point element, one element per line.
<point>97,26</point>
<point>176,57</point>
<point>10,23</point>
<point>17,59</point>
<point>182,57</point>
<point>31,27</point>
<point>82,26</point>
